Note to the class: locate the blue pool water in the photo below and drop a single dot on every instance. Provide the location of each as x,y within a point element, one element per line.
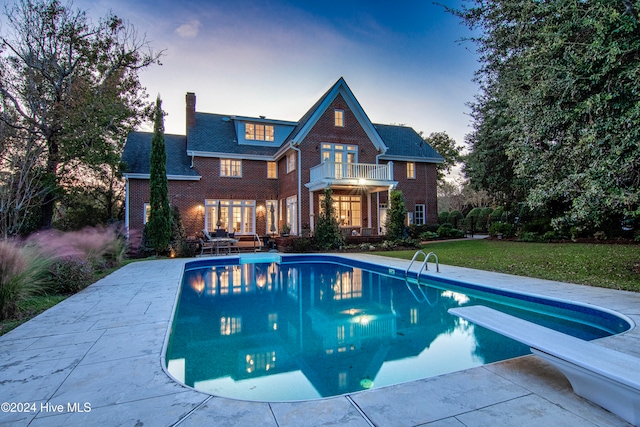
<point>309,326</point>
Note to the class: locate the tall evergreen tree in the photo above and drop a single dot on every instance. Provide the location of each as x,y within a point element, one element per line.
<point>327,233</point>
<point>159,227</point>
<point>396,214</point>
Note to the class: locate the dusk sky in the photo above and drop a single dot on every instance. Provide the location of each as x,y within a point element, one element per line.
<point>402,59</point>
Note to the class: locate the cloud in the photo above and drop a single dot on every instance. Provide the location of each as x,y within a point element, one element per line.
<point>189,30</point>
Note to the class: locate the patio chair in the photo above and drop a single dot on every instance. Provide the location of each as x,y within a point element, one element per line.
<point>205,246</point>
<point>221,232</point>
<point>206,235</point>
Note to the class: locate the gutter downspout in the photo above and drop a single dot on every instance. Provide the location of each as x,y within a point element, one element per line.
<point>299,202</point>
<point>126,205</point>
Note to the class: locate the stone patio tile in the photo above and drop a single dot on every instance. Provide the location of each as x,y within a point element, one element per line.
<point>526,411</point>
<point>325,412</point>
<point>157,411</point>
<point>116,381</point>
<point>37,355</point>
<point>127,344</point>
<point>446,422</point>
<point>221,412</point>
<point>66,339</point>
<point>33,382</point>
<point>431,399</point>
<point>546,381</point>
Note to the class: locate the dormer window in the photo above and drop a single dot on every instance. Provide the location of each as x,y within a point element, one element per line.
<point>258,132</point>
<point>339,118</point>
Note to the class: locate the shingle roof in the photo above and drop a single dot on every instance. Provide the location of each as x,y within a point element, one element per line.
<point>138,148</point>
<point>403,141</point>
<point>216,133</point>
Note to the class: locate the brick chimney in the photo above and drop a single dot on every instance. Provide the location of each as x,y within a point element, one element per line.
<point>191,110</point>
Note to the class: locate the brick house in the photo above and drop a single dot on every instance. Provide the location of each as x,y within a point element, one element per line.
<point>253,175</point>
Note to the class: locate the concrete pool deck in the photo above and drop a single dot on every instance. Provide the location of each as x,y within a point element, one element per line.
<point>95,359</point>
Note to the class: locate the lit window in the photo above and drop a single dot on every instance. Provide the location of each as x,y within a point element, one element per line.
<point>229,167</point>
<point>339,118</point>
<point>411,170</point>
<point>419,217</point>
<point>272,170</point>
<point>291,162</point>
<point>230,215</point>
<point>258,132</point>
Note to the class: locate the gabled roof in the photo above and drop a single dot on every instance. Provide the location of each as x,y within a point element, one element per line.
<point>405,144</point>
<point>215,134</point>
<point>310,118</point>
<point>136,156</point>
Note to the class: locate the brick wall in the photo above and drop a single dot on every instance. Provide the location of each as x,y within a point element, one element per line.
<point>325,131</point>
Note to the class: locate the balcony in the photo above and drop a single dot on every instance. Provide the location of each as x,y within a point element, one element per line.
<point>373,177</point>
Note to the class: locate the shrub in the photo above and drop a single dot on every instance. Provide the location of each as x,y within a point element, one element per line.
<point>443,217</point>
<point>503,228</point>
<point>531,237</point>
<point>428,235</point>
<point>22,274</point>
<point>301,244</point>
<point>455,217</point>
<point>447,230</point>
<point>70,275</point>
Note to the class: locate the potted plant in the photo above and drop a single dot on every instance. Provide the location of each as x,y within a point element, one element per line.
<point>284,231</point>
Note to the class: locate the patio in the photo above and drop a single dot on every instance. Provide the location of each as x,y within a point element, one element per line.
<point>103,347</point>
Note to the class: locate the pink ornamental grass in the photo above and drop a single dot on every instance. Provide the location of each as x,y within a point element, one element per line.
<point>92,243</point>
<point>22,274</point>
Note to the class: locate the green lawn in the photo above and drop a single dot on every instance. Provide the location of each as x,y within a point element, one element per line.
<point>605,265</point>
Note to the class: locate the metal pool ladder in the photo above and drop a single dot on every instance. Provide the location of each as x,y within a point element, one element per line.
<point>424,263</point>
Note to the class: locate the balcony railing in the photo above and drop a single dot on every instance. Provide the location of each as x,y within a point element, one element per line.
<point>351,171</point>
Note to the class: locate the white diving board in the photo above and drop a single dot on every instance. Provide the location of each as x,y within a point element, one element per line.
<point>604,376</point>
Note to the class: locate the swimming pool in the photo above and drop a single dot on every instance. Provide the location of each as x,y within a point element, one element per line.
<point>298,327</point>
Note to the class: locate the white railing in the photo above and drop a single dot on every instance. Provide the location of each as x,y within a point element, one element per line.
<point>333,170</point>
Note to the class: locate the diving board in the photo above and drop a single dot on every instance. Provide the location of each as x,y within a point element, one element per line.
<point>602,375</point>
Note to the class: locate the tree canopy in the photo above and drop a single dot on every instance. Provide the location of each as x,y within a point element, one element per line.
<point>557,119</point>
<point>71,87</point>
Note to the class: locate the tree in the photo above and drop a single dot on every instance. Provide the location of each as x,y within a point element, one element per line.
<point>327,233</point>
<point>73,86</point>
<point>396,216</point>
<point>447,148</point>
<point>21,180</point>
<point>159,227</point>
<point>559,95</point>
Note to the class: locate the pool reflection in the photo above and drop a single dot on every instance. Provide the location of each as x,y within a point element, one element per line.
<point>270,331</point>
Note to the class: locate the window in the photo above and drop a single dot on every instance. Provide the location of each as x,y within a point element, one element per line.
<point>419,215</point>
<point>237,216</point>
<point>348,210</point>
<point>232,168</point>
<point>258,132</point>
<point>292,214</point>
<point>272,170</point>
<point>341,155</point>
<point>291,162</point>
<point>147,212</point>
<point>339,118</point>
<point>411,170</point>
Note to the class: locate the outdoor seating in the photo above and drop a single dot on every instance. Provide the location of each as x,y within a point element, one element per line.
<point>204,246</point>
